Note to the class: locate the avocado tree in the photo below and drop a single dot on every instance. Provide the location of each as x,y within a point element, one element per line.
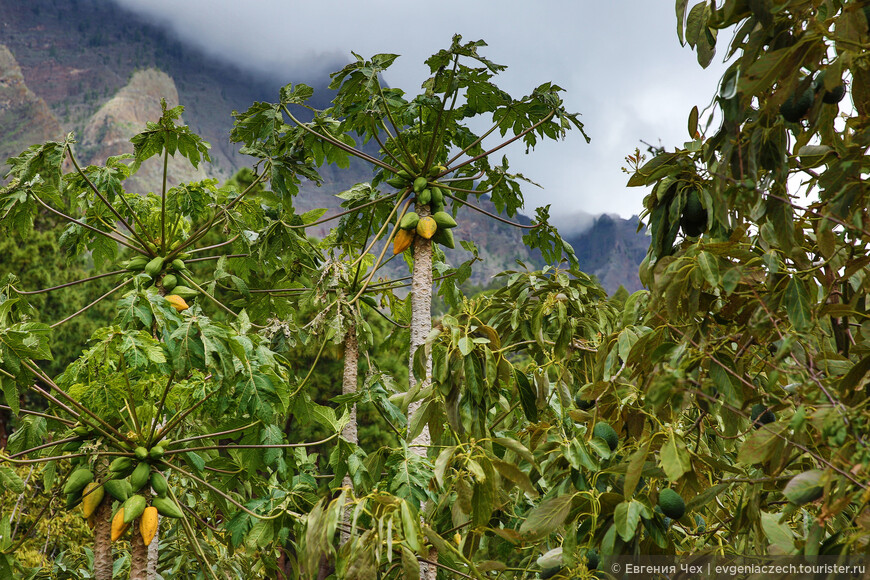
<point>753,352</point>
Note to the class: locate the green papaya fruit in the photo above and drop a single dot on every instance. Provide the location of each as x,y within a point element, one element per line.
<point>140,476</point>
<point>133,507</point>
<point>185,292</point>
<point>420,184</point>
<point>444,237</point>
<point>78,479</point>
<point>153,267</point>
<point>424,197</point>
<point>137,264</point>
<point>169,282</point>
<point>119,489</point>
<point>166,507</point>
<point>409,221</point>
<point>159,484</point>
<point>444,220</point>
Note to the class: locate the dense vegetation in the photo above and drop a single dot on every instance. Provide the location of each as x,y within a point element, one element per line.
<point>541,427</point>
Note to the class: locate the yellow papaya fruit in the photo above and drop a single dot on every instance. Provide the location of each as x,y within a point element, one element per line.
<point>177,302</point>
<point>91,498</point>
<point>118,525</point>
<point>402,241</point>
<point>427,227</point>
<point>148,524</point>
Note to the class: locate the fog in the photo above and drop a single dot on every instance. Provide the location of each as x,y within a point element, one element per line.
<point>620,64</point>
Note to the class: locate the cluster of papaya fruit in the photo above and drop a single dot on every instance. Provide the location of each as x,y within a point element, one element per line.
<point>437,225</point>
<point>166,274</point>
<point>123,482</point>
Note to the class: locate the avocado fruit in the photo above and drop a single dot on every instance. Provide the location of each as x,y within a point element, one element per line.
<point>761,415</point>
<point>606,432</point>
<point>671,504</point>
<point>694,219</point>
<point>797,105</point>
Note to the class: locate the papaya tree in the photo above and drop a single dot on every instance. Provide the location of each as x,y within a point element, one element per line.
<point>427,165</point>
<point>172,405</point>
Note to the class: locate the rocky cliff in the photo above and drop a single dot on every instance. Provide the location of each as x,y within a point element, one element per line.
<point>25,118</point>
<point>109,130</point>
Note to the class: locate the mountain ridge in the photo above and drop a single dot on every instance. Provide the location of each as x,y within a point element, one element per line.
<point>80,58</point>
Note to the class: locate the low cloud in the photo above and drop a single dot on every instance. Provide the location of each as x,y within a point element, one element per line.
<point>620,64</point>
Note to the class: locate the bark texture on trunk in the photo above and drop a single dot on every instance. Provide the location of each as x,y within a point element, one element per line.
<point>349,432</point>
<point>138,553</point>
<point>154,553</point>
<point>103,541</point>
<point>421,325</point>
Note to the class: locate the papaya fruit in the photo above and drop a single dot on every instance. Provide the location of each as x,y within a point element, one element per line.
<point>153,267</point>
<point>167,507</point>
<point>437,195</point>
<point>140,476</point>
<point>444,220</point>
<point>159,484</point>
<point>445,238</point>
<point>91,497</point>
<point>82,430</point>
<point>420,184</point>
<point>409,221</point>
<point>402,241</point>
<point>427,227</point>
<point>119,489</point>
<point>141,453</point>
<point>72,500</point>
<point>185,293</point>
<point>148,524</point>
<point>155,452</point>
<point>397,182</point>
<point>169,282</point>
<point>178,264</point>
<point>404,175</point>
<point>177,302</point>
<point>120,467</point>
<point>133,507</point>
<point>78,480</point>
<point>118,525</point>
<point>424,197</point>
<point>137,264</point>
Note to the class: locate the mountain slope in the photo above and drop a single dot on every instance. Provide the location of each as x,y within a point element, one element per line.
<point>92,68</point>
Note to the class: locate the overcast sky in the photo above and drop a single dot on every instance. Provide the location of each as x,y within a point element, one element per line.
<point>619,62</point>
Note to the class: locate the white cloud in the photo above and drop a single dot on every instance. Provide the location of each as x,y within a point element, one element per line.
<point>620,63</point>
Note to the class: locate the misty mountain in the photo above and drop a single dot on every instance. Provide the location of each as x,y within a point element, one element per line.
<point>90,67</point>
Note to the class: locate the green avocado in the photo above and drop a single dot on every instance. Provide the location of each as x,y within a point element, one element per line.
<point>671,503</point>
<point>694,218</point>
<point>606,432</point>
<point>761,415</point>
<point>796,106</point>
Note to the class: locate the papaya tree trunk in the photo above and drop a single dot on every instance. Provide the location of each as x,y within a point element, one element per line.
<point>349,432</point>
<point>138,554</point>
<point>103,563</point>
<point>153,553</point>
<point>421,325</point>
